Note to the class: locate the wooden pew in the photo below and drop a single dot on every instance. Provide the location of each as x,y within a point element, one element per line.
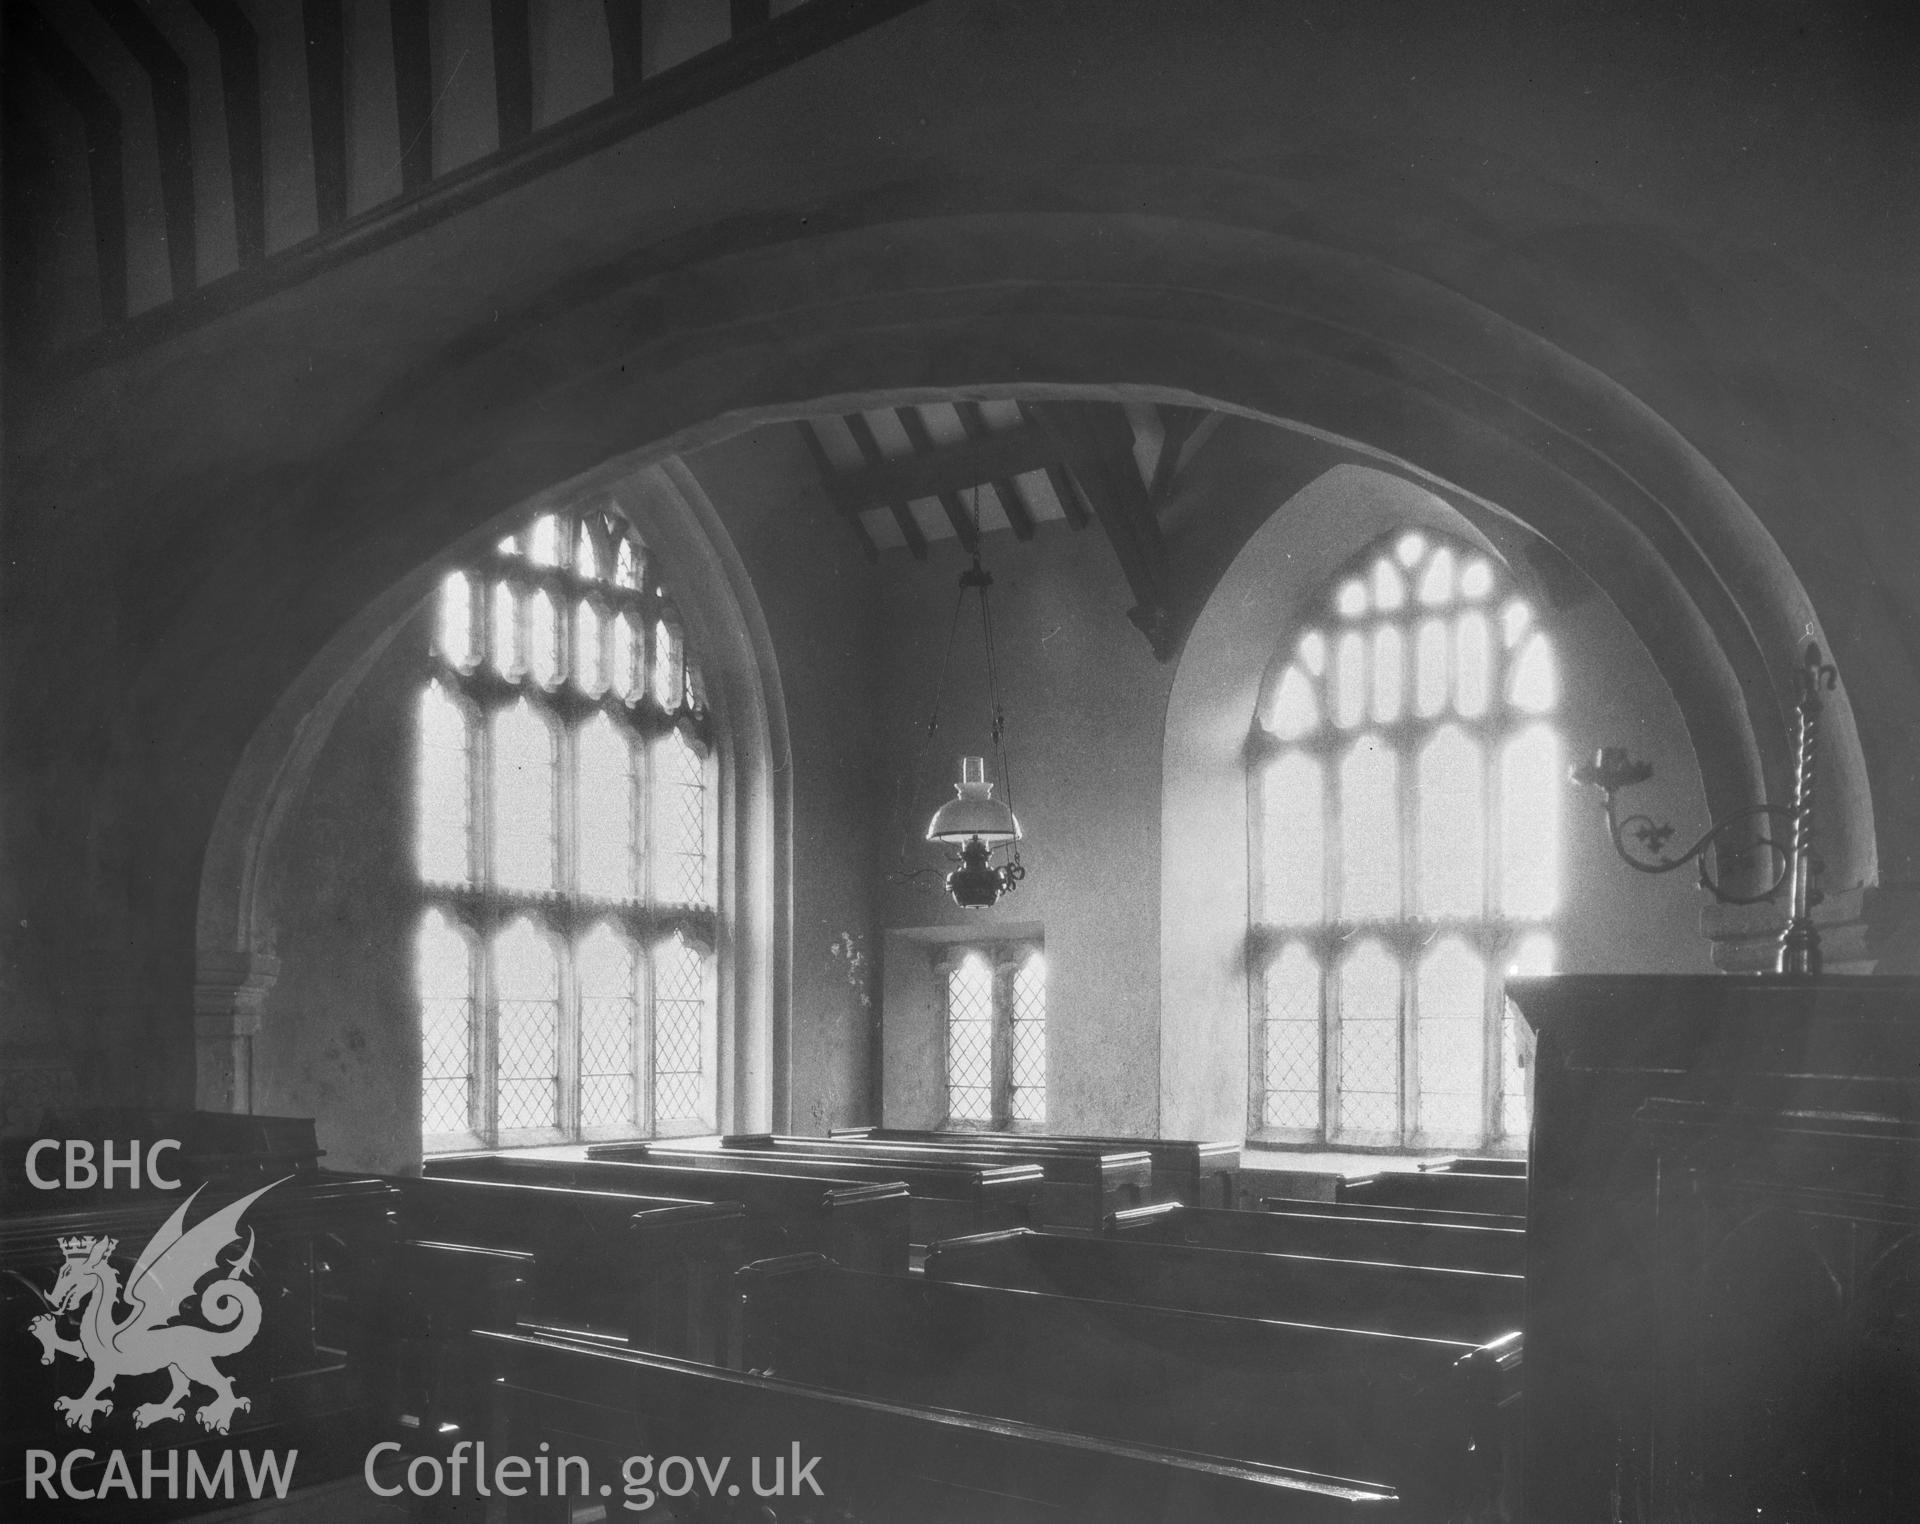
<point>1379,1213</point>
<point>946,1199</point>
<point>432,1391</point>
<point>647,1268</point>
<point>1199,1174</point>
<point>1329,1235</point>
<point>315,1245</point>
<point>1505,1194</point>
<point>1475,1165</point>
<point>862,1227</point>
<point>1408,1412</point>
<point>1083,1182</point>
<point>884,1461</point>
<point>1473,1306</point>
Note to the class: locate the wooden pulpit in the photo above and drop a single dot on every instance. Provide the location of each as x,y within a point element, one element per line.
<point>1723,1249</point>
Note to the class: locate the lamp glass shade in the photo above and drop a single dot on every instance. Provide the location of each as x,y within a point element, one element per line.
<point>973,811</point>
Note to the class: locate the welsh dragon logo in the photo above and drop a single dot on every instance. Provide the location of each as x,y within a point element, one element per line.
<point>150,1336</point>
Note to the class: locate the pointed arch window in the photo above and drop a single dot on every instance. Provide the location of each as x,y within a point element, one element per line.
<point>564,846</point>
<point>1405,781</point>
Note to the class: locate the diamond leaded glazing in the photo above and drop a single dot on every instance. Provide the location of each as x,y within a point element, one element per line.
<point>1406,812</point>
<point>563,834</point>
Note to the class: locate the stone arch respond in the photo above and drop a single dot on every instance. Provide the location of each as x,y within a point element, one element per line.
<point>235,952</point>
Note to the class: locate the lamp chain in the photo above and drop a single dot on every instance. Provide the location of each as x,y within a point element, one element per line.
<point>999,727</point>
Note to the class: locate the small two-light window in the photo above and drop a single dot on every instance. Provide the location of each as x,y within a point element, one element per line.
<point>996,1036</point>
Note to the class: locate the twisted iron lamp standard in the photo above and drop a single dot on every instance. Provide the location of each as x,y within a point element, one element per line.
<point>1612,770</point>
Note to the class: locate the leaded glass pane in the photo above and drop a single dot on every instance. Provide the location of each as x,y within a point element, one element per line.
<point>1535,955</point>
<point>1450,1003</point>
<point>523,800</point>
<point>607,971</point>
<point>1350,680</point>
<point>508,657</point>
<point>970,1040</point>
<point>679,821</point>
<point>1531,784</point>
<point>543,638</point>
<point>632,1023</point>
<point>669,670</point>
<point>1389,587</point>
<point>443,972</point>
<point>1369,1101</point>
<point>626,657</point>
<point>453,629</point>
<point>445,809</point>
<point>1436,582</point>
<point>1535,687</point>
<point>1515,619</point>
<point>1473,664</point>
<point>526,985</point>
<point>589,656</point>
<point>544,546</point>
<point>1406,649</point>
<point>1295,711</point>
<point>679,1018</point>
<point>1293,841</point>
<point>606,849</point>
<point>1450,795</point>
<point>1027,1064</point>
<point>1369,831</point>
<point>1290,1061</point>
<point>1433,670</point>
<point>1389,673</point>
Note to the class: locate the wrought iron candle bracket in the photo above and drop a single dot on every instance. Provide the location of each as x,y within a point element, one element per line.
<point>1613,770</point>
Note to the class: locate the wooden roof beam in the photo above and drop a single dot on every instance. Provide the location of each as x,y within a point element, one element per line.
<point>166,75</point>
<point>1098,440</point>
<point>100,118</point>
<point>955,468</point>
<point>1019,514</point>
<point>895,503</point>
<point>829,482</point>
<point>239,48</point>
<point>924,447</point>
